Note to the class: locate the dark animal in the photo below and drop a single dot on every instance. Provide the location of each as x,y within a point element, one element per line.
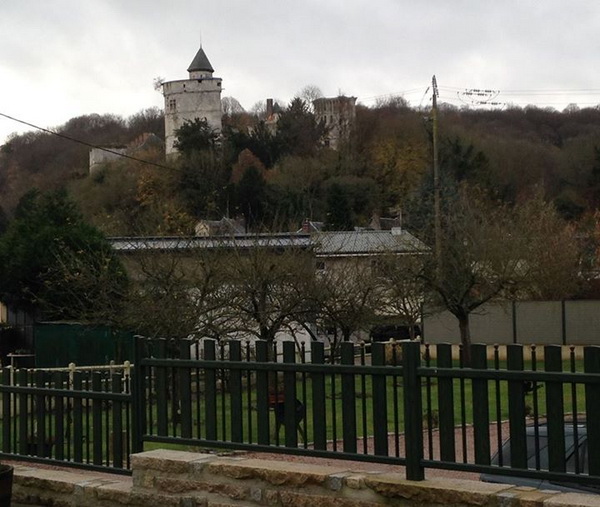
<point>299,414</point>
<point>529,386</point>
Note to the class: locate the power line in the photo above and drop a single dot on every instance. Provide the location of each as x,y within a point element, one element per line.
<point>85,143</point>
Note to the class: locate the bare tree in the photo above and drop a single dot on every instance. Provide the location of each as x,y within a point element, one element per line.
<point>492,251</point>
<point>402,291</point>
<point>347,297</point>
<point>177,294</point>
<point>309,94</point>
<point>267,287</point>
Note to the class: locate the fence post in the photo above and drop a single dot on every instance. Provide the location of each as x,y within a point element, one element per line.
<point>516,409</point>
<point>185,386</point>
<point>262,394</point>
<point>413,411</point>
<point>591,364</point>
<point>97,435</point>
<point>235,393</point>
<point>555,410</point>
<point>380,411</point>
<point>481,415</point>
<point>289,393</point>
<point>446,404</point>
<point>6,411</point>
<point>317,350</point>
<point>348,400</point>
<point>210,396</point>
<point>138,393</point>
<point>117,421</point>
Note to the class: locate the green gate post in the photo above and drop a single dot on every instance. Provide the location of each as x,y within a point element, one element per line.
<point>185,387</point>
<point>591,364</point>
<point>555,410</point>
<point>262,394</point>
<point>319,411</point>
<point>235,393</point>
<point>138,396</point>
<point>348,400</point>
<point>516,409</point>
<point>413,411</point>
<point>481,413</point>
<point>289,394</point>
<point>380,411</point>
<point>7,415</point>
<point>446,404</point>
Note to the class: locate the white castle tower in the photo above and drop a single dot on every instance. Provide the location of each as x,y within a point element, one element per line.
<point>189,99</point>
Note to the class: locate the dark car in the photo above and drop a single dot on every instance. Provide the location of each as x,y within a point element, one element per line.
<point>576,456</point>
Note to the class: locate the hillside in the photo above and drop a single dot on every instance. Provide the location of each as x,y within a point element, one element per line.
<point>277,180</point>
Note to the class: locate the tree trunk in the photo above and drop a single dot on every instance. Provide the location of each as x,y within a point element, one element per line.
<point>465,337</point>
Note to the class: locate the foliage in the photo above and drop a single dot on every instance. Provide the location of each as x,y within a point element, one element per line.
<point>491,250</point>
<point>51,260</point>
<point>347,297</point>
<point>267,288</point>
<point>176,295</point>
<point>195,135</point>
<point>298,131</point>
<point>402,290</point>
<point>339,212</point>
<point>202,184</point>
<point>250,196</point>
<point>3,221</point>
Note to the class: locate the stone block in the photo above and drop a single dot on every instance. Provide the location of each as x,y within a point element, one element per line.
<point>274,472</point>
<point>164,460</point>
<point>435,491</point>
<point>573,500</point>
<point>294,499</point>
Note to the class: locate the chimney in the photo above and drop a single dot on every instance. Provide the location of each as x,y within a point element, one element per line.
<point>306,226</point>
<point>269,108</point>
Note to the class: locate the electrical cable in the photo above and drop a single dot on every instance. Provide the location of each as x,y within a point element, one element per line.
<point>85,143</point>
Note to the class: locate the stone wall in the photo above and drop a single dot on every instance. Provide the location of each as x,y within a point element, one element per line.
<point>173,478</point>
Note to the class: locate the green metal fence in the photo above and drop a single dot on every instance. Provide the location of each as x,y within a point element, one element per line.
<point>81,418</point>
<point>529,413</point>
<point>403,404</point>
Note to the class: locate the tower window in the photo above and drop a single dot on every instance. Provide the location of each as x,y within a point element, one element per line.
<point>172,105</point>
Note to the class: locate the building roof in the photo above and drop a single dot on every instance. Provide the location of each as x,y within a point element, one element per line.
<point>325,244</point>
<point>178,243</point>
<point>346,243</point>
<point>200,62</point>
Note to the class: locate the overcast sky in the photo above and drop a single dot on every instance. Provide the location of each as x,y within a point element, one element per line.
<point>66,58</point>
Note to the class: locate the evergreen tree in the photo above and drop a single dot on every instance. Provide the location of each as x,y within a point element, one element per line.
<point>51,260</point>
<point>339,213</point>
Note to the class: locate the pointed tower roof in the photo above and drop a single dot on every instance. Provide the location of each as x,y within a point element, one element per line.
<point>200,62</point>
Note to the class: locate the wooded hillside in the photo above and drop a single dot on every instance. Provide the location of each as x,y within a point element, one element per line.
<point>277,179</point>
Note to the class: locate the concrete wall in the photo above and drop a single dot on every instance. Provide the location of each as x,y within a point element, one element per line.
<point>525,322</point>
<point>173,478</point>
<point>539,322</point>
<point>582,322</point>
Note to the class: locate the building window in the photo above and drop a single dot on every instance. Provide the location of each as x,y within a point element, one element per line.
<point>320,266</point>
<point>172,105</point>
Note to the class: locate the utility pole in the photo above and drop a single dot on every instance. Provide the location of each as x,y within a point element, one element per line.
<point>436,176</point>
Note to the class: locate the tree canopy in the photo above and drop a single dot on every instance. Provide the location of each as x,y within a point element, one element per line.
<point>53,262</point>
